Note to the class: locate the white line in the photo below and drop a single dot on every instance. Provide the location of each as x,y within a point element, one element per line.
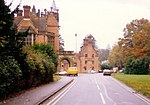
<point>102,98</point>
<point>98,87</point>
<point>59,96</point>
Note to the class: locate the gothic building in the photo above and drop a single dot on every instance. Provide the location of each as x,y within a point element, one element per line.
<point>87,58</point>
<point>43,26</point>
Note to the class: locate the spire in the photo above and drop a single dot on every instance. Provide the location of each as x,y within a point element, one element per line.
<point>53,8</point>
<point>33,9</point>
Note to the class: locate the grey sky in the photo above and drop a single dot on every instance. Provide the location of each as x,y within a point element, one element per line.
<point>104,19</point>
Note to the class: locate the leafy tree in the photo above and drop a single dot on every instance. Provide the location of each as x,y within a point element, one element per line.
<point>40,66</point>
<point>137,66</point>
<point>105,66</point>
<point>47,49</point>
<point>137,38</point>
<point>117,57</point>
<point>134,45</point>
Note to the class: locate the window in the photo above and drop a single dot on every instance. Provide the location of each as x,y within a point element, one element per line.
<point>92,55</point>
<point>86,55</point>
<point>85,62</point>
<point>28,40</point>
<point>92,62</point>
<point>50,40</point>
<point>85,68</point>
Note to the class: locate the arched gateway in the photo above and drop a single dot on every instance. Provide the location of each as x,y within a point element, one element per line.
<point>66,59</point>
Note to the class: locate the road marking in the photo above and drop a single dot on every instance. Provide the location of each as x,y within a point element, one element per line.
<point>102,98</point>
<point>98,87</point>
<point>60,95</point>
<point>106,93</point>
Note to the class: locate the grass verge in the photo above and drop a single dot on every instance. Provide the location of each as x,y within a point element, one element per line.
<point>56,78</point>
<point>140,83</point>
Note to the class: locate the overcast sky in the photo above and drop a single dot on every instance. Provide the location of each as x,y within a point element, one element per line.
<point>104,19</point>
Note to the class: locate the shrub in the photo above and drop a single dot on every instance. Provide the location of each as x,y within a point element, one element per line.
<point>41,67</point>
<point>137,66</point>
<point>47,49</point>
<point>9,74</point>
<point>104,66</point>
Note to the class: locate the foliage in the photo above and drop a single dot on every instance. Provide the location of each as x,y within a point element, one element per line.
<point>133,48</point>
<point>137,66</point>
<point>12,58</point>
<point>104,66</point>
<point>41,67</point>
<point>9,74</point>
<point>117,57</point>
<point>47,49</point>
<point>136,39</point>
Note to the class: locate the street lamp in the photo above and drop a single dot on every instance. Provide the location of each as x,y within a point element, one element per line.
<point>76,43</point>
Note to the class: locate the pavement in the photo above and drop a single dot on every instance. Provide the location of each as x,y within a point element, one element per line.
<point>36,95</point>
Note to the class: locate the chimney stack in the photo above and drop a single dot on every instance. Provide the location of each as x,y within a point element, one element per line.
<point>26,11</point>
<point>19,13</point>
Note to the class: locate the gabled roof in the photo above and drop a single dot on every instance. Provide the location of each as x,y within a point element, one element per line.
<point>26,22</point>
<point>39,23</point>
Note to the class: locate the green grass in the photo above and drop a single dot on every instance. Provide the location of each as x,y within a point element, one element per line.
<point>56,78</point>
<point>141,83</point>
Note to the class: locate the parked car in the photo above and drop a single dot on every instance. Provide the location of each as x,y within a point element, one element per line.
<point>72,71</point>
<point>107,72</point>
<point>100,71</point>
<point>61,73</point>
<point>91,71</point>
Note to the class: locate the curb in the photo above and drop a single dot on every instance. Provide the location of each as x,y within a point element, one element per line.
<point>53,93</point>
<point>136,93</point>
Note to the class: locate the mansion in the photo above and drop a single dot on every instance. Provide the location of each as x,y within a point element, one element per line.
<point>43,26</point>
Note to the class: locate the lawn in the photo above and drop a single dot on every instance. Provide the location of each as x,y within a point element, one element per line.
<point>141,83</point>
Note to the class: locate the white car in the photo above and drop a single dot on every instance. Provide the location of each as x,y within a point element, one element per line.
<point>107,72</point>
<point>62,73</point>
<point>91,71</point>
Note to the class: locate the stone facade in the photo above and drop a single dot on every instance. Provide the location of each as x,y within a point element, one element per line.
<point>43,26</point>
<point>87,58</point>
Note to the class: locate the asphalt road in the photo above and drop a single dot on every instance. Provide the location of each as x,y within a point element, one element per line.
<point>96,89</point>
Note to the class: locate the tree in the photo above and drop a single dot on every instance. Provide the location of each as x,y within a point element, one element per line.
<point>12,64</point>
<point>137,38</point>
<point>137,66</point>
<point>47,49</point>
<point>117,57</point>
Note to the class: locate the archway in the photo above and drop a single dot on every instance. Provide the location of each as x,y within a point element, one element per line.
<point>64,64</point>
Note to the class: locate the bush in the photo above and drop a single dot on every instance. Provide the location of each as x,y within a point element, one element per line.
<point>9,74</point>
<point>137,66</point>
<point>104,66</point>
<point>47,49</point>
<point>41,67</point>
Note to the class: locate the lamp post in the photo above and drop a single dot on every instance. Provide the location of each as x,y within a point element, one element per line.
<point>76,43</point>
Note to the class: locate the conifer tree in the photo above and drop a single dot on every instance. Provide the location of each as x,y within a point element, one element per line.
<point>12,58</point>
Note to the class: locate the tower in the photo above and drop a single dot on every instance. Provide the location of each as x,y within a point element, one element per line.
<point>53,24</point>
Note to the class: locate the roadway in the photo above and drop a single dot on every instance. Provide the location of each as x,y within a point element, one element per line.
<point>96,89</point>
